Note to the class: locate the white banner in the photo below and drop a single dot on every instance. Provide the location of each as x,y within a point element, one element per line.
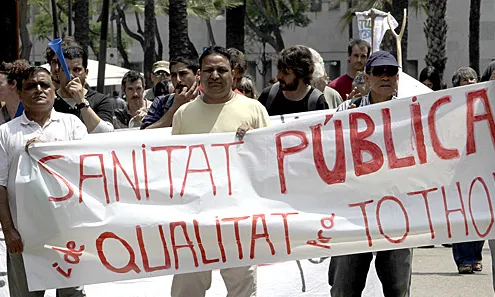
<point>130,205</point>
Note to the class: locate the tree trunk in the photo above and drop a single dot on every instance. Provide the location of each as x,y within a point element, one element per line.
<point>54,19</point>
<point>178,35</point>
<point>9,51</point>
<point>81,23</point>
<point>159,54</point>
<point>435,29</point>
<point>120,44</point>
<point>474,35</point>
<point>235,27</point>
<point>102,55</point>
<point>149,40</point>
<point>27,45</point>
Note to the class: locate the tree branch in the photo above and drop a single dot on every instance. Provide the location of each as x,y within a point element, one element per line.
<point>128,31</point>
<point>138,22</point>
<point>264,36</point>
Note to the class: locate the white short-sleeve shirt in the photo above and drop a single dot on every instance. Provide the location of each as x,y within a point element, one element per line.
<point>15,134</point>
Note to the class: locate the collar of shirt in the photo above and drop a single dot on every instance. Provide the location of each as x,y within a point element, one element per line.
<point>54,117</point>
<point>366,100</point>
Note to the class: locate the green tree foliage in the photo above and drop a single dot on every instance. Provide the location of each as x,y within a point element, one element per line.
<point>267,18</point>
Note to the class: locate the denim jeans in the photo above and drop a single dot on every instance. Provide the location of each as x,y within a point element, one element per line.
<point>347,274</point>
<point>467,252</point>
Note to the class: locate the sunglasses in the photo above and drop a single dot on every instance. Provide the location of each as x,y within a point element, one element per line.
<point>161,73</point>
<point>387,70</point>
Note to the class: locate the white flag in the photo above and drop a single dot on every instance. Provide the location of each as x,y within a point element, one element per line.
<point>381,26</point>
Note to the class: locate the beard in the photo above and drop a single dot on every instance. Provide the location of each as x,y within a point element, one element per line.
<point>292,86</point>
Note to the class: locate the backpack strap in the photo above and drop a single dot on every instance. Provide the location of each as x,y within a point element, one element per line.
<point>272,94</point>
<point>313,99</point>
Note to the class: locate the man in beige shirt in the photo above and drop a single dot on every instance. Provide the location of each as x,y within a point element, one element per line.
<point>218,110</point>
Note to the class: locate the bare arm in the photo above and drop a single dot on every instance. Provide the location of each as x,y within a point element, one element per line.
<point>12,237</point>
<point>166,120</point>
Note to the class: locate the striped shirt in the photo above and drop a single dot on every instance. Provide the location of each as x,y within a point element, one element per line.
<point>363,101</point>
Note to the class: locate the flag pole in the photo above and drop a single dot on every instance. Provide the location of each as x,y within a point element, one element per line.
<point>398,37</point>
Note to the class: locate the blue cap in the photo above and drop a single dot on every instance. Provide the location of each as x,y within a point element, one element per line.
<point>380,58</point>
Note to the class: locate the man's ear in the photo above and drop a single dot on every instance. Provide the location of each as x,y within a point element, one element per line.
<point>198,73</point>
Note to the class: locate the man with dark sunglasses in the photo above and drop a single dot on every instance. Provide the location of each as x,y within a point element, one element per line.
<point>382,76</point>
<point>347,274</point>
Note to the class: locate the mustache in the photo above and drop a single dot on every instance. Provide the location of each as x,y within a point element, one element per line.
<point>180,86</point>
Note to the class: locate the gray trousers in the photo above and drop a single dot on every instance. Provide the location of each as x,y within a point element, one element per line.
<point>347,274</point>
<point>18,283</point>
<point>491,243</point>
<point>240,282</point>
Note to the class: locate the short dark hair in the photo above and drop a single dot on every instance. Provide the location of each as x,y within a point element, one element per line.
<point>14,69</point>
<point>130,77</point>
<point>463,73</point>
<point>360,43</point>
<point>238,59</point>
<point>299,59</point>
<point>430,73</point>
<point>66,41</point>
<point>76,52</point>
<point>190,63</point>
<point>28,73</point>
<point>216,50</point>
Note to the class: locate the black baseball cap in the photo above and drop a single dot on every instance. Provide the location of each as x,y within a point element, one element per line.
<point>380,58</point>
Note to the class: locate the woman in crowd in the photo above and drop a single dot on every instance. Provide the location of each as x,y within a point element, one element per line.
<point>430,77</point>
<point>8,90</point>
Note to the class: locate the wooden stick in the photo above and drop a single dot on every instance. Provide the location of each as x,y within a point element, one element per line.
<point>398,37</point>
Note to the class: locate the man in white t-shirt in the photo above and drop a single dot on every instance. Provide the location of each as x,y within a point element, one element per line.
<point>39,121</point>
<point>219,110</point>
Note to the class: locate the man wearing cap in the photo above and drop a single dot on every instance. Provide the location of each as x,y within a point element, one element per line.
<point>347,274</point>
<point>160,71</point>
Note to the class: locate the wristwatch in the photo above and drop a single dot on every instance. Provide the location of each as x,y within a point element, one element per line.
<point>82,105</point>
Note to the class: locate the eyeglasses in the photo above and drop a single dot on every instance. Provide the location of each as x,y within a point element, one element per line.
<point>387,70</point>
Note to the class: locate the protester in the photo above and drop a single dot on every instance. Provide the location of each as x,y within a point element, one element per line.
<point>137,107</point>
<point>358,51</point>
<point>319,81</point>
<point>163,88</point>
<point>359,86</point>
<point>39,121</point>
<point>185,77</point>
<point>93,108</point>
<point>118,102</point>
<point>220,111</point>
<point>293,92</point>
<point>52,59</point>
<point>248,87</point>
<point>489,74</point>
<point>8,90</point>
<point>347,274</point>
<point>159,72</point>
<point>239,62</point>
<point>467,255</point>
<point>430,77</point>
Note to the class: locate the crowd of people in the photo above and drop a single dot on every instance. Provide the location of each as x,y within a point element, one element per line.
<point>211,94</point>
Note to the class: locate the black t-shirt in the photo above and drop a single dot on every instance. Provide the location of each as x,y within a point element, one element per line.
<point>100,103</point>
<point>282,105</point>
